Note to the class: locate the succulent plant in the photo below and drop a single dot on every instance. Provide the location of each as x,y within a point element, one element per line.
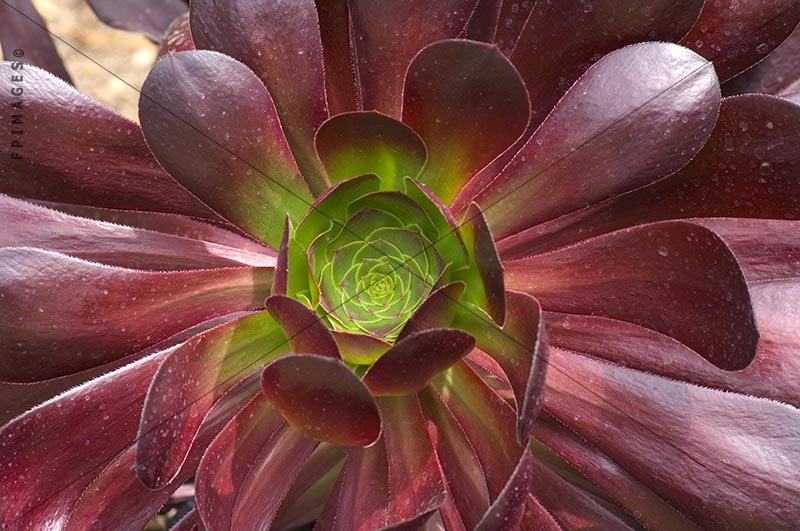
<point>460,264</point>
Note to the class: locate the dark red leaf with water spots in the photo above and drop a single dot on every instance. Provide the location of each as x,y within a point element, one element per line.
<point>570,505</point>
<point>629,494</point>
<point>230,457</point>
<point>188,384</point>
<point>118,312</point>
<point>561,40</point>
<point>489,424</point>
<point>588,150</point>
<point>679,279</point>
<point>53,452</point>
<point>747,169</point>
<point>78,151</point>
<point>456,92</point>
<point>131,501</point>
<point>778,74</point>
<point>736,35</point>
<point>175,224</point>
<point>509,506</point>
<point>322,399</point>
<point>412,362</point>
<point>465,477</point>
<point>249,468</point>
<point>240,164</point>
<point>281,43</point>
<point>513,16</point>
<point>663,431</point>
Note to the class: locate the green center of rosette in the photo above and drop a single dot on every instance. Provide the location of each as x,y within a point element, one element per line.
<point>365,258</point>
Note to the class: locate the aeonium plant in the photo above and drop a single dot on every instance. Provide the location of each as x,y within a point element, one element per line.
<point>424,265</point>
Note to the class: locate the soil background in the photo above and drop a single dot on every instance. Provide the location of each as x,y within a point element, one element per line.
<point>127,55</point>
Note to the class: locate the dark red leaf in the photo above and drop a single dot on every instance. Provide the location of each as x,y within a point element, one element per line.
<point>304,330</point>
<point>53,452</point>
<point>747,169</point>
<point>28,225</point>
<point>361,143</point>
<point>482,24</point>
<point>778,74</point>
<point>597,143</point>
<point>519,347</point>
<point>636,499</point>
<point>334,27</point>
<point>485,286</point>
<point>238,162</point>
<point>78,151</point>
<point>412,362</point>
<point>280,276</point>
<point>663,431</point>
<point>676,278</point>
<point>188,384</point>
<point>736,35</point>
<point>395,483</point>
<point>387,36</point>
<point>25,32</point>
<point>177,37</point>
<point>437,311</point>
<point>63,315</point>
<point>360,349</point>
<point>456,92</point>
<point>280,42</point>
<point>145,16</point>
<point>322,399</point>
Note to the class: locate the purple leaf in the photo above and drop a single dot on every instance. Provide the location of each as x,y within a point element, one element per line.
<point>24,31</point>
<point>596,144</point>
<point>304,330</point>
<point>383,56</point>
<point>151,17</point>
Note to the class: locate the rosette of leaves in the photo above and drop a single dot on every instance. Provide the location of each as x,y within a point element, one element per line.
<point>536,272</point>
<point>374,263</point>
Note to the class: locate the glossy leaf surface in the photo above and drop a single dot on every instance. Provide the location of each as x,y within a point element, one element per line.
<point>119,312</point>
<point>322,399</point>
<point>280,42</point>
<point>241,166</point>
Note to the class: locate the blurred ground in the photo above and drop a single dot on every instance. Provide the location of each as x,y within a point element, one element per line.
<point>128,55</point>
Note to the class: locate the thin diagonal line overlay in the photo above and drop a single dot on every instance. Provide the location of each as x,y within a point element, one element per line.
<point>405,263</point>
